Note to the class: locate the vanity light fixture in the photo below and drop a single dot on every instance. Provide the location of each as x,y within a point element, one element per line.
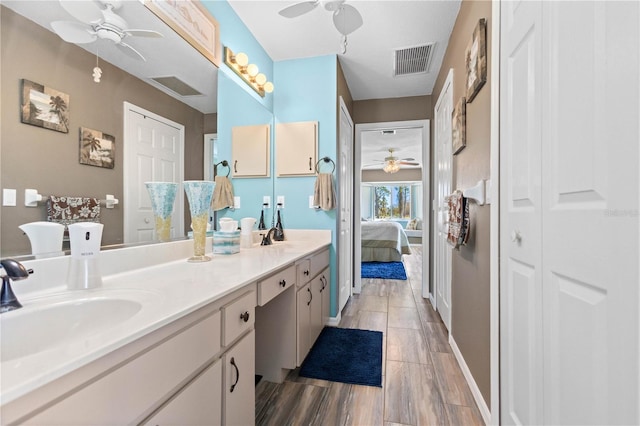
<point>239,63</point>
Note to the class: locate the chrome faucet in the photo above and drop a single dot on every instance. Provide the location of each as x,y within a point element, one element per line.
<point>16,271</point>
<point>266,238</point>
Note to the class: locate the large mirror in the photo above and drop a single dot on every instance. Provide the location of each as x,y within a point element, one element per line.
<point>48,161</point>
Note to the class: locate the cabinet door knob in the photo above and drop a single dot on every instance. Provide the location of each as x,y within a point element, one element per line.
<point>233,386</point>
<point>310,296</point>
<point>283,283</point>
<point>516,237</point>
<point>244,316</point>
<point>306,272</point>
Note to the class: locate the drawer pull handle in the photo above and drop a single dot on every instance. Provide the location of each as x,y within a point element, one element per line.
<point>244,316</point>
<point>283,283</point>
<point>310,296</point>
<point>233,386</point>
<point>306,272</point>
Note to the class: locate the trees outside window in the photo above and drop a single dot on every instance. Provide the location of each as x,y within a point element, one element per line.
<point>392,202</point>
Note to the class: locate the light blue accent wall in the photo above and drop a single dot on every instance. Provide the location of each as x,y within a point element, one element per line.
<point>306,90</point>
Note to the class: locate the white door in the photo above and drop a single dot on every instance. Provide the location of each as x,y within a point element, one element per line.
<point>153,151</point>
<point>443,172</point>
<point>345,248</point>
<point>569,212</point>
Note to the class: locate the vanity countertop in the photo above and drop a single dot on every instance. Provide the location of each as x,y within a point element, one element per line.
<point>167,286</point>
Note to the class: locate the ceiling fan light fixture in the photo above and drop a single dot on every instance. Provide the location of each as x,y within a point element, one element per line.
<point>391,166</point>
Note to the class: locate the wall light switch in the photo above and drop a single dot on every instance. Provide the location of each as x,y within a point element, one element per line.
<point>8,197</point>
<point>280,201</point>
<point>266,202</point>
<point>236,202</point>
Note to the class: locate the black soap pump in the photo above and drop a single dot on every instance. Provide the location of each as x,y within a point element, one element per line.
<point>261,225</point>
<point>278,235</point>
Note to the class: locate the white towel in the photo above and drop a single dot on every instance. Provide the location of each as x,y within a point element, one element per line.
<point>222,194</point>
<point>324,193</point>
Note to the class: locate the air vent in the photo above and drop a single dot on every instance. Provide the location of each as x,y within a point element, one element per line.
<point>176,85</point>
<point>413,60</point>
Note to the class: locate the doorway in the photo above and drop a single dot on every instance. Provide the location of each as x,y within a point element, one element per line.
<point>422,127</point>
<point>153,151</point>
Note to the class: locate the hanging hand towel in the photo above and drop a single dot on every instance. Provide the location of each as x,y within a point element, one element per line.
<point>324,193</point>
<point>459,224</point>
<point>68,210</point>
<point>222,194</point>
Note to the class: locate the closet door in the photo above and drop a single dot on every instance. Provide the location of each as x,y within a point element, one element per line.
<point>520,214</point>
<point>590,212</point>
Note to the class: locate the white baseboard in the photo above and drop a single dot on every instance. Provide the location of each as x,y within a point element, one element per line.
<point>334,321</point>
<point>482,405</point>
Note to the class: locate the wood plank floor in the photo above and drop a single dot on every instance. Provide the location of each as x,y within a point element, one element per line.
<point>421,385</point>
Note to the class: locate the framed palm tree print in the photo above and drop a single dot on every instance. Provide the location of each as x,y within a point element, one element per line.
<point>97,148</point>
<point>44,107</point>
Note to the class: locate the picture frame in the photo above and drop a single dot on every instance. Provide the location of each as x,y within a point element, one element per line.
<point>458,126</point>
<point>97,148</point>
<point>44,107</point>
<point>476,60</point>
<point>193,22</point>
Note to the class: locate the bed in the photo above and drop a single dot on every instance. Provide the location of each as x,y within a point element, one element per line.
<point>383,241</point>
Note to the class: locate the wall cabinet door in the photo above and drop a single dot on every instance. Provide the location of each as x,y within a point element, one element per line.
<point>200,403</point>
<point>296,148</point>
<point>250,150</point>
<point>239,382</point>
<point>304,322</point>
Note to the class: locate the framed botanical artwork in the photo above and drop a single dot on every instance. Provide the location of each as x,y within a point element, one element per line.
<point>476,60</point>
<point>458,126</point>
<point>44,107</point>
<point>193,22</point>
<point>97,148</point>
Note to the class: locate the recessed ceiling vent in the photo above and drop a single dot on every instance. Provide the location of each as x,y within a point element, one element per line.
<point>176,85</point>
<point>413,60</point>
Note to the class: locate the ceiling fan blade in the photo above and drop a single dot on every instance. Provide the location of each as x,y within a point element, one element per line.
<point>143,33</point>
<point>84,11</point>
<point>347,19</point>
<point>130,51</point>
<point>407,163</point>
<point>408,159</point>
<point>298,9</point>
<point>74,32</point>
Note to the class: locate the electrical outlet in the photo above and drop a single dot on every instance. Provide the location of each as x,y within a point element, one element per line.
<point>236,202</point>
<point>280,201</point>
<point>266,202</point>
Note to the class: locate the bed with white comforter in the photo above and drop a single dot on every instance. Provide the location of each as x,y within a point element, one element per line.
<point>383,241</point>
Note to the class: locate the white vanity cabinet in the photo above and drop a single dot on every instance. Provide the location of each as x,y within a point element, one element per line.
<point>250,149</point>
<point>171,376</point>
<point>239,382</point>
<point>312,301</point>
<point>296,148</point>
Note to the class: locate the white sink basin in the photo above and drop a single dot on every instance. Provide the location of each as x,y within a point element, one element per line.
<point>51,321</point>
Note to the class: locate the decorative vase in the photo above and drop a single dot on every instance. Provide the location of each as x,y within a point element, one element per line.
<point>163,195</point>
<point>199,193</point>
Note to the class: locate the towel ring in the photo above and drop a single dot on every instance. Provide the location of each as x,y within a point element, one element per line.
<point>326,160</point>
<point>224,163</point>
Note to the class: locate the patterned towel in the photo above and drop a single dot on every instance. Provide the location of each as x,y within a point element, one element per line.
<point>459,223</point>
<point>67,210</point>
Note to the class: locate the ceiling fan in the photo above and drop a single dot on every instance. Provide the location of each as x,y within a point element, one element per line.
<point>392,163</point>
<point>346,18</point>
<point>99,23</point>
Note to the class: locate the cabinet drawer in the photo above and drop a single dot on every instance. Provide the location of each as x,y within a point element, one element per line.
<point>275,284</point>
<point>163,368</point>
<point>199,403</point>
<point>238,317</point>
<point>303,269</point>
<point>319,262</point>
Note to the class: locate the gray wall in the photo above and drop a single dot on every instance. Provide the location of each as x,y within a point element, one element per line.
<point>470,275</point>
<point>46,160</point>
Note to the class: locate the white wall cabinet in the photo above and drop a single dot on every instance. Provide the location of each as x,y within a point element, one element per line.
<point>296,148</point>
<point>250,148</point>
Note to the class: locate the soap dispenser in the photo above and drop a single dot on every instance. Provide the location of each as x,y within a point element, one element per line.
<point>278,234</point>
<point>261,225</point>
<point>84,267</point>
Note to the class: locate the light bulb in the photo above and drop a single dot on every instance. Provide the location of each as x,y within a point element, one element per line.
<point>261,79</point>
<point>252,70</point>
<point>268,87</point>
<point>242,59</point>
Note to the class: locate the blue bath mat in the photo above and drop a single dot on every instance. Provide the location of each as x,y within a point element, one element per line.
<point>346,355</point>
<point>386,270</point>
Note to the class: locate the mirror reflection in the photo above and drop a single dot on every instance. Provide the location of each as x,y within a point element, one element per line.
<point>35,157</point>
